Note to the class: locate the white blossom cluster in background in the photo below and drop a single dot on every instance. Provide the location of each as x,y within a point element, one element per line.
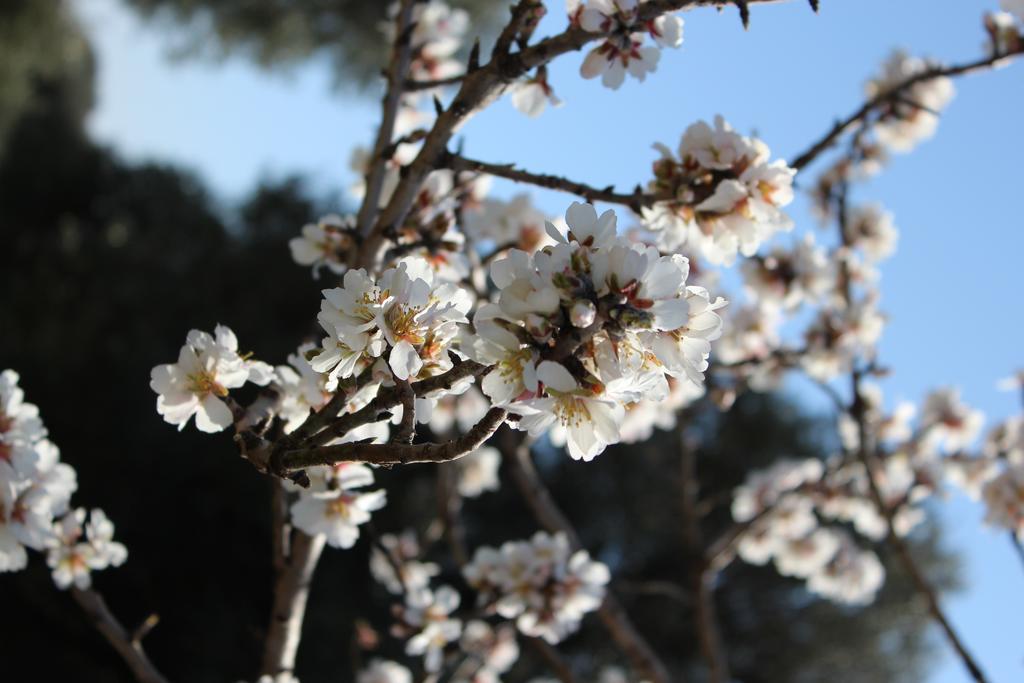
<point>35,497</point>
<point>427,621</point>
<point>540,583</point>
<point>787,505</point>
<point>722,195</point>
<point>912,117</point>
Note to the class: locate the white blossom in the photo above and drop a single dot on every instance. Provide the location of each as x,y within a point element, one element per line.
<point>429,613</point>
<point>333,506</point>
<point>623,50</point>
<point>384,671</point>
<point>324,244</point>
<point>208,366</point>
<point>478,472</point>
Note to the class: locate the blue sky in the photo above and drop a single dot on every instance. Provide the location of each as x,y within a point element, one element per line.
<point>951,290</point>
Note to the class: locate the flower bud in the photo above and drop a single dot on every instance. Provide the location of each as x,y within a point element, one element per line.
<point>582,313</point>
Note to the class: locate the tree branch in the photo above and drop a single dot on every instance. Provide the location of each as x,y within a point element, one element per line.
<point>701,574</point>
<point>401,57</point>
<point>478,89</point>
<point>858,117</point>
<point>397,453</point>
<point>291,592</point>
<point>634,200</point>
<point>388,398</point>
<point>558,665</point>
<point>129,648</point>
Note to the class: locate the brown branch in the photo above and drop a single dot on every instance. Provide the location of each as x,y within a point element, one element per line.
<point>401,57</point>
<point>866,454</point>
<point>516,453</point>
<point>896,93</point>
<point>128,647</point>
<point>397,453</point>
<point>903,552</point>
<point>407,399</point>
<point>388,398</point>
<point>635,200</point>
<point>414,86</point>
<point>555,661</point>
<point>291,592</point>
<point>701,574</point>
<point>280,528</point>
<point>449,503</point>
<point>660,589</point>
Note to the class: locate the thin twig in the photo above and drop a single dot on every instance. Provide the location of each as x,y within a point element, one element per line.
<point>291,592</point>
<point>414,85</point>
<point>701,574</point>
<point>401,57</point>
<point>130,649</point>
<point>895,93</point>
<point>554,660</point>
<point>387,398</point>
<point>1015,542</point>
<point>516,453</point>
<point>635,200</point>
<point>407,399</point>
<point>903,552</point>
<point>449,503</point>
<point>866,454</point>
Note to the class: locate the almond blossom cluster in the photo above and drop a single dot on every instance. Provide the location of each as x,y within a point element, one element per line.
<point>723,196</point>
<point>913,116</point>
<point>779,506</point>
<point>638,323</point>
<point>540,583</point>
<point>404,314</point>
<point>785,508</point>
<point>35,497</point>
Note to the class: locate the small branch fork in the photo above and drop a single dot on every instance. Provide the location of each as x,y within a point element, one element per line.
<point>128,646</point>
<point>896,94</point>
<point>398,453</point>
<point>516,454</point>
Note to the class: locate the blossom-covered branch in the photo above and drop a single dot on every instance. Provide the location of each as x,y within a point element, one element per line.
<point>898,94</point>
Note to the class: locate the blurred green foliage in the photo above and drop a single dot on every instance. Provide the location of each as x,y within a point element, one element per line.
<point>281,33</point>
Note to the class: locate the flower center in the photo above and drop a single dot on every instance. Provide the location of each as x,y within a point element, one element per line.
<point>203,383</point>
